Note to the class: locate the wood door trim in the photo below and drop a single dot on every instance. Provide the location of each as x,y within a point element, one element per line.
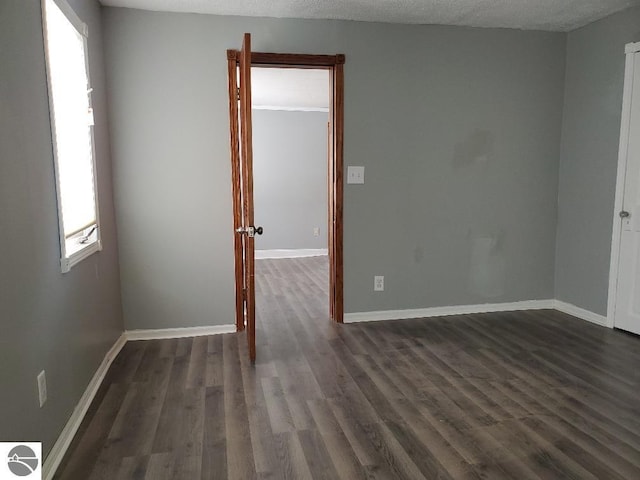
<point>334,63</point>
<point>235,182</point>
<point>338,185</point>
<point>246,162</point>
<point>330,216</point>
<point>295,60</point>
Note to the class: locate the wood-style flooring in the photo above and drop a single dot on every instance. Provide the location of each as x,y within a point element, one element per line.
<point>524,395</point>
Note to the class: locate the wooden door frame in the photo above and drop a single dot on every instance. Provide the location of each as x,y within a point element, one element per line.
<point>335,65</point>
<point>232,61</point>
<point>631,49</point>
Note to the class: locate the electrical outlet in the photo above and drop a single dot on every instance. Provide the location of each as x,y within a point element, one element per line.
<point>378,283</point>
<point>42,388</point>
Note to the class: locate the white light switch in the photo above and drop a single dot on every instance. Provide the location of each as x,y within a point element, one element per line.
<point>355,174</point>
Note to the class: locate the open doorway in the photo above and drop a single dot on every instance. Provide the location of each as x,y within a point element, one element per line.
<point>240,63</point>
<point>291,163</point>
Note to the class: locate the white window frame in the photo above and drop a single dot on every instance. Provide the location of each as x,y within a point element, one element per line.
<point>69,260</point>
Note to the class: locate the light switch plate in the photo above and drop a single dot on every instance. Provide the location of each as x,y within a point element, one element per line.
<point>355,175</point>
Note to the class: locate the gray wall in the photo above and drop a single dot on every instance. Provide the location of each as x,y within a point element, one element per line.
<point>589,157</point>
<point>290,178</point>
<point>61,323</point>
<point>458,128</point>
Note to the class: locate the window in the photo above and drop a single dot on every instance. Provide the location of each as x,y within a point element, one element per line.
<point>72,131</point>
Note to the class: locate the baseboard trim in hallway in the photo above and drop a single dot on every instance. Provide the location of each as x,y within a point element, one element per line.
<point>581,313</point>
<point>563,307</point>
<point>156,334</point>
<point>446,311</point>
<point>52,462</point>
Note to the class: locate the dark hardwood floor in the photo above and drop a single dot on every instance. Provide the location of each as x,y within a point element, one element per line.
<point>523,395</point>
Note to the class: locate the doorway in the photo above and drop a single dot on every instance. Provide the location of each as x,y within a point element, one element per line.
<point>242,174</point>
<point>290,118</point>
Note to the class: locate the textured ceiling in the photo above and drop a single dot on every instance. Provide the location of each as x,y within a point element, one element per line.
<point>556,15</point>
<point>290,88</point>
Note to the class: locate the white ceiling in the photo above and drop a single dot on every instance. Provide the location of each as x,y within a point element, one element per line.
<point>555,15</point>
<point>290,89</point>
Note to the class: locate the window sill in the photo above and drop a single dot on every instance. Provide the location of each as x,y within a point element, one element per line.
<point>77,257</point>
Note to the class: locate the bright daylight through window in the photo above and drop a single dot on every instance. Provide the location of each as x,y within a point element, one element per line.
<point>72,131</point>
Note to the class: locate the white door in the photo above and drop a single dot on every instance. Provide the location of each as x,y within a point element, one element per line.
<point>627,307</point>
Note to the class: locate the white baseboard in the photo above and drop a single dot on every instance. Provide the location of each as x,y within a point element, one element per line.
<point>154,334</point>
<point>444,311</point>
<point>581,313</point>
<point>59,449</point>
<point>293,253</point>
